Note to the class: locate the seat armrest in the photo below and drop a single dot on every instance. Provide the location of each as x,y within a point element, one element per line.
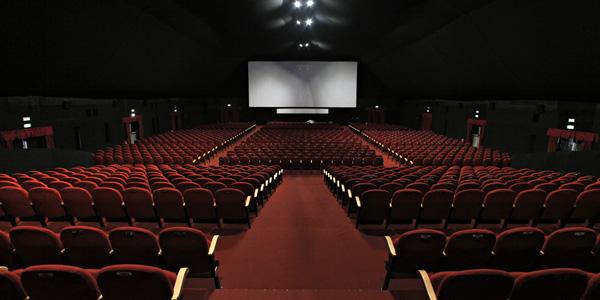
<point>248,199</point>
<point>357,201</point>
<point>390,245</point>
<point>255,193</point>
<point>349,194</point>
<point>213,245</point>
<point>178,288</point>
<point>427,284</point>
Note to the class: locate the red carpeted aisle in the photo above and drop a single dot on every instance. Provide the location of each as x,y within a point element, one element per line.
<point>302,239</point>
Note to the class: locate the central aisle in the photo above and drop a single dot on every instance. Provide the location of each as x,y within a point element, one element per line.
<point>302,239</point>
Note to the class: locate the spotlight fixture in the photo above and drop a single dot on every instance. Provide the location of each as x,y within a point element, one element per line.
<point>308,22</point>
<point>133,112</point>
<point>306,44</point>
<point>298,22</point>
<point>376,106</point>
<point>297,4</point>
<point>310,3</point>
<point>301,45</point>
<point>228,104</point>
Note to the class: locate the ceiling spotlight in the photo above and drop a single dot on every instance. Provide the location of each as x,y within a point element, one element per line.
<point>298,22</point>
<point>297,4</point>
<point>229,105</point>
<point>308,22</point>
<point>310,3</point>
<point>306,45</point>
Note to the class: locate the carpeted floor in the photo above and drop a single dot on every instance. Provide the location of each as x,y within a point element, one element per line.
<point>302,246</point>
<point>302,239</point>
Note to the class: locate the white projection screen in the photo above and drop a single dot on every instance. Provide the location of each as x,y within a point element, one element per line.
<point>308,84</point>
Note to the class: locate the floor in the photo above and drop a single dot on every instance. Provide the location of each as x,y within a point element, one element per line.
<point>302,239</point>
<point>301,246</point>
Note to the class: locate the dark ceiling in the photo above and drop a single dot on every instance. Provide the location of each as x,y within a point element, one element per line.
<point>459,49</point>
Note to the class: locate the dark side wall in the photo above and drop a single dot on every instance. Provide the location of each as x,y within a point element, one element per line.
<point>12,161</point>
<point>99,120</point>
<point>512,126</point>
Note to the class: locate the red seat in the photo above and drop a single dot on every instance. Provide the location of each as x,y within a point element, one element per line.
<point>59,282</point>
<point>528,206</point>
<point>473,285</point>
<point>6,251</point>
<point>8,183</point>
<point>497,206</point>
<point>214,186</point>
<point>391,187</point>
<point>551,284</point>
<point>10,286</point>
<point>135,282</point>
<point>133,245</point>
<point>58,185</point>
<point>184,186</point>
<point>520,186</point>
<point>423,187</point>
<point>593,186</point>
<point>248,190</point>
<point>139,204</point>
<point>226,181</point>
<point>189,248</point>
<point>233,206</point>
<point>419,249</point>
<point>547,187</point>
<point>78,203</point>
<point>373,207</point>
<point>36,245</point>
<point>200,205</point>
<point>169,205</point>
<point>587,207</point>
<point>468,249</point>
<point>30,184</point>
<point>109,204</point>
<point>357,190</point>
<point>518,249</point>
<point>492,187</point>
<point>466,206</point>
<point>405,206</point>
<point>87,185</point>
<point>568,248</point>
<point>593,289</point>
<point>47,203</point>
<point>573,186</point>
<point>86,247</point>
<point>558,205</point>
<point>15,203</point>
<point>113,185</point>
